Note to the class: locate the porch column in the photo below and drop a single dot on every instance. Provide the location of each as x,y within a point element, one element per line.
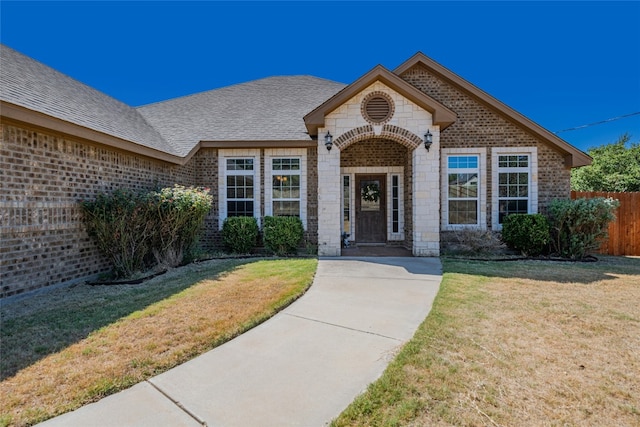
<point>329,242</point>
<point>426,199</point>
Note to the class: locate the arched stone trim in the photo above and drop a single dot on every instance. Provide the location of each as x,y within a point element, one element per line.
<point>402,136</point>
<point>357,134</point>
<point>390,132</point>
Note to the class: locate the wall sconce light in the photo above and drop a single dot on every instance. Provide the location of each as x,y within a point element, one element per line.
<point>428,140</point>
<point>328,141</point>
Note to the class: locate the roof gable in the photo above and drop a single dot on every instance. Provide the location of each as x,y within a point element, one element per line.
<point>442,115</point>
<point>574,156</point>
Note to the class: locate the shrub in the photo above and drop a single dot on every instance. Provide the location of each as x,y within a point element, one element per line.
<point>132,228</point>
<point>282,234</point>
<point>527,233</point>
<point>119,224</point>
<point>239,233</point>
<point>579,226</point>
<point>471,241</point>
<point>178,213</point>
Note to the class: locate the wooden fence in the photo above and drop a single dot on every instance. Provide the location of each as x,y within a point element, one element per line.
<point>624,232</point>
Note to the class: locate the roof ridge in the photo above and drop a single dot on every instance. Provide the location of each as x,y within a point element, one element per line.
<point>231,86</point>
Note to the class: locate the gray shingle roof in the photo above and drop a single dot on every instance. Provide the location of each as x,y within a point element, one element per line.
<point>33,85</point>
<point>269,109</point>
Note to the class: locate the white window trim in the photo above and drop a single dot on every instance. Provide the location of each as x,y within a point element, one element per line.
<point>237,153</point>
<point>389,171</point>
<point>481,152</point>
<point>285,153</point>
<point>532,206</point>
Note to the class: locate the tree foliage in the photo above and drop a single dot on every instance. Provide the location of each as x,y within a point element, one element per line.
<point>615,168</point>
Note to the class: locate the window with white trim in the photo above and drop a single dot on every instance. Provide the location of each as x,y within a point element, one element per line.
<point>240,186</point>
<point>514,182</point>
<point>285,183</point>
<point>463,181</point>
<point>513,185</point>
<point>285,190</point>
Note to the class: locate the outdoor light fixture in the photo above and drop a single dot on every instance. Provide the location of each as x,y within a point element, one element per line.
<point>428,140</point>
<point>328,141</point>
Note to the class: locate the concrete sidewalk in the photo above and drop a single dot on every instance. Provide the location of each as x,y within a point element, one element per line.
<point>300,368</point>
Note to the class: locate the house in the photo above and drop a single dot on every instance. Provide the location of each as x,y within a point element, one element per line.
<point>397,157</point>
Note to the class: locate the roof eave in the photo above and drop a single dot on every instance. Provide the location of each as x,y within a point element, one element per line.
<point>18,114</point>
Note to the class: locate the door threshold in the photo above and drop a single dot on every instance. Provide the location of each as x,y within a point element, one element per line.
<point>371,244</point>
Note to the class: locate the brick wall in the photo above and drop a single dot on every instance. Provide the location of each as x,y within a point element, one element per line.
<point>479,126</point>
<point>42,178</point>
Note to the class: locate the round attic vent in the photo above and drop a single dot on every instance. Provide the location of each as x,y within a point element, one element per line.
<point>377,108</point>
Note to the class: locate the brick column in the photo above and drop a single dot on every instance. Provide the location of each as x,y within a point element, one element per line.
<point>426,198</point>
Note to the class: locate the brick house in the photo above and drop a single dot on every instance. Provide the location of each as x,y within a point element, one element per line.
<point>263,148</point>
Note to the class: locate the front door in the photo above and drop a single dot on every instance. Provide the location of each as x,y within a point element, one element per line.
<point>371,214</point>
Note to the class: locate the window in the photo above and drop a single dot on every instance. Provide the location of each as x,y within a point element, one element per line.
<point>285,194</point>
<point>515,188</point>
<point>513,185</point>
<point>240,186</point>
<point>285,183</point>
<point>346,204</point>
<point>395,204</point>
<point>462,190</point>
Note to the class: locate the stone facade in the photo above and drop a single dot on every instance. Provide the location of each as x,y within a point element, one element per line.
<point>350,126</point>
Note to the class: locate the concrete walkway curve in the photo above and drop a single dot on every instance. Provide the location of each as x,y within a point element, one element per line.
<point>300,368</point>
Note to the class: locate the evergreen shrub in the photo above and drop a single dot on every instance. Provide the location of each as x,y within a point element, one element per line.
<point>239,234</point>
<point>527,233</point>
<point>282,234</point>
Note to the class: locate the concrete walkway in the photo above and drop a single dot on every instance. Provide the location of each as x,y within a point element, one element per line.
<point>300,368</point>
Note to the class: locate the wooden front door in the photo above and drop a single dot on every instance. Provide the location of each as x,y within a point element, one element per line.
<point>371,212</point>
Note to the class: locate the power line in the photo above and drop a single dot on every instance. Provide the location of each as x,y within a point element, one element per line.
<point>599,123</point>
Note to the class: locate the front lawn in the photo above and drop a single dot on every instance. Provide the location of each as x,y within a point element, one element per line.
<point>520,343</point>
<point>72,346</point>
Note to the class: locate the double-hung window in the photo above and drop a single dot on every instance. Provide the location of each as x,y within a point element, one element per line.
<point>463,182</point>
<point>240,186</point>
<point>513,185</point>
<point>285,182</point>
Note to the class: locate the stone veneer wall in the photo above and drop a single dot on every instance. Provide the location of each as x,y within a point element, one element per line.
<point>42,177</point>
<point>384,153</point>
<point>347,124</point>
<point>479,126</point>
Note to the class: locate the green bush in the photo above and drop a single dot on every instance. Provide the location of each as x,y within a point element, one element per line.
<point>282,234</point>
<point>239,233</point>
<point>132,229</point>
<point>579,226</point>
<point>119,224</point>
<point>178,213</point>
<point>527,233</point>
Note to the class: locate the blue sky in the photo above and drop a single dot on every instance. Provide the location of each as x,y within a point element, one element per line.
<point>562,64</point>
